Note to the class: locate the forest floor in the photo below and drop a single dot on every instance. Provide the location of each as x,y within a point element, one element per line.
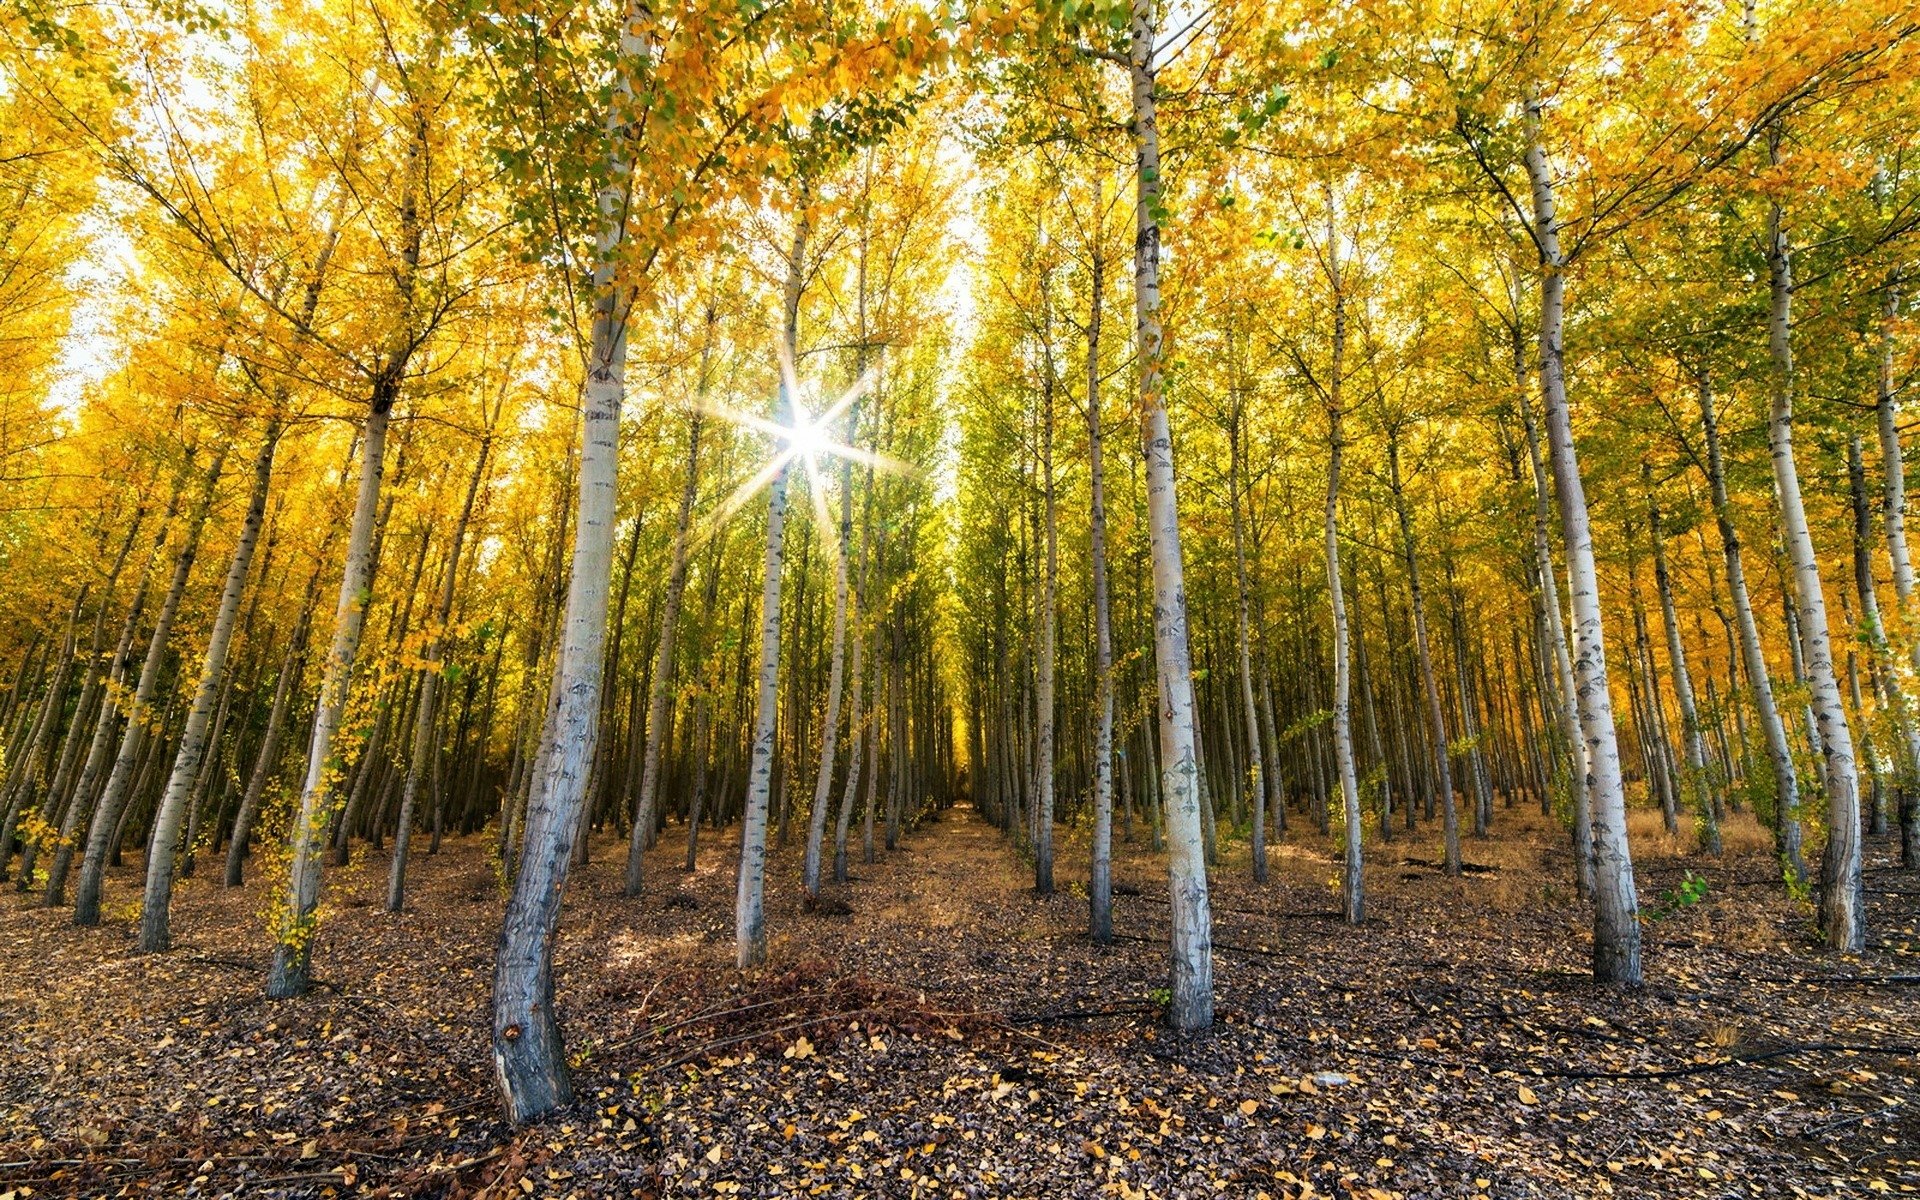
<point>954,1034</point>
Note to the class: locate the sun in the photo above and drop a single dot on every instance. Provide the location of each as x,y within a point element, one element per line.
<point>808,440</point>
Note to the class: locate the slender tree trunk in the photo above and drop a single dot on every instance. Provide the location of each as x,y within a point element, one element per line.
<point>425,749</point>
<point>1894,513</point>
<point>1429,682</point>
<point>1100,881</point>
<point>1565,694</point>
<point>62,796</point>
<point>836,671</point>
<point>293,941</point>
<point>529,1056</point>
<point>295,921</point>
<point>155,934</point>
<point>1616,925</point>
<point>1352,874</point>
<point>856,715</point>
<point>1882,672</point>
<point>750,919</point>
<point>268,756</point>
<point>1842,901</point>
<point>39,744</point>
<point>1256,778</point>
<point>102,834</point>
<point>1191,993</point>
<point>1048,618</point>
<point>1759,681</point>
<point>663,670</point>
<point>1699,784</point>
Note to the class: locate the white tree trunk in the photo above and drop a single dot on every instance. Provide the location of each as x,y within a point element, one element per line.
<point>107,812</point>
<point>1616,907</point>
<point>1698,784</point>
<point>1773,729</point>
<point>425,707</point>
<point>1893,465</point>
<point>155,935</point>
<point>1048,618</point>
<point>1567,710</point>
<point>641,835</point>
<point>1191,947</point>
<point>293,935</point>
<point>836,674</point>
<point>856,715</point>
<point>749,909</point>
<point>1429,681</point>
<point>1842,900</point>
<point>1352,875</point>
<point>1100,880</point>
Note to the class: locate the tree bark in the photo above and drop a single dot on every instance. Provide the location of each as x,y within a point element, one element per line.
<point>836,671</point>
<point>268,755</point>
<point>1894,513</point>
<point>1353,867</point>
<point>1842,900</point>
<point>1191,939</point>
<point>102,833</point>
<point>1429,681</point>
<point>294,925</point>
<point>1047,638</point>
<point>529,1056</point>
<point>1100,878</point>
<point>155,933</point>
<point>1616,925</point>
<point>1773,728</point>
<point>1565,695</point>
<point>1698,783</point>
<point>749,917</point>
<point>425,712</point>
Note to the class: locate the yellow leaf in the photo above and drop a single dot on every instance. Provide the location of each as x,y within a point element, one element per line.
<point>1527,1096</point>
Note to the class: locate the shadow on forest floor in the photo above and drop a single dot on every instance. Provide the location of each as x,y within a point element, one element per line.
<point>953,1034</point>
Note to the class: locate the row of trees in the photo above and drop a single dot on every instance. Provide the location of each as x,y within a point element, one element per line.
<point>345,308</point>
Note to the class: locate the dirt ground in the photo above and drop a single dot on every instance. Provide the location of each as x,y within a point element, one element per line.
<point>953,1034</point>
